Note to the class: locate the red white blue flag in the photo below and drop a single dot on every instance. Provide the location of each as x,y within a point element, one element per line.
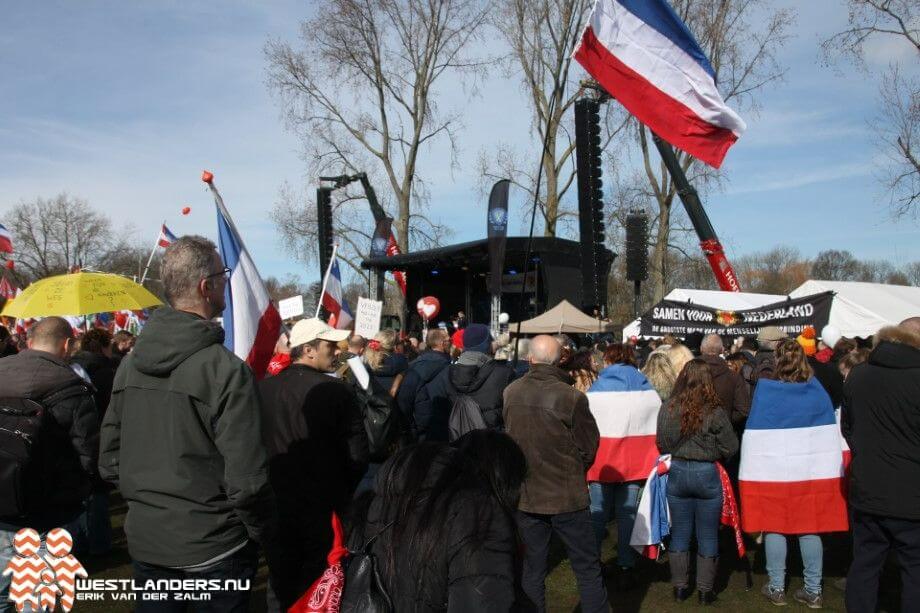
<point>167,238</point>
<point>791,477</point>
<point>251,322</point>
<point>645,57</point>
<point>6,240</point>
<point>340,316</point>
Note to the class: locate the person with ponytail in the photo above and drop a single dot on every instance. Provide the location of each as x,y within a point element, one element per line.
<point>695,429</point>
<point>387,367</point>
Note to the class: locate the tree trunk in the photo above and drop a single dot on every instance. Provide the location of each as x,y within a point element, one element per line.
<point>658,270</point>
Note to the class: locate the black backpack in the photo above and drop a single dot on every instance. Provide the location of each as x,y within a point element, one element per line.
<point>465,416</point>
<point>383,421</point>
<point>21,470</point>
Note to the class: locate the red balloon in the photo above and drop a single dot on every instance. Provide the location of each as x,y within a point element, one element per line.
<point>10,265</point>
<point>428,307</point>
<point>186,210</point>
<point>206,176</point>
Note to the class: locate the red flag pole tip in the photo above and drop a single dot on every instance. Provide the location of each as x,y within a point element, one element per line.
<point>206,176</point>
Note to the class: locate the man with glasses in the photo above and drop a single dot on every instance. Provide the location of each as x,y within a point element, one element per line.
<point>182,439</point>
<point>318,452</point>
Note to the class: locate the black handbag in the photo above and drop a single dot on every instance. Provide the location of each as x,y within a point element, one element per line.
<point>364,589</point>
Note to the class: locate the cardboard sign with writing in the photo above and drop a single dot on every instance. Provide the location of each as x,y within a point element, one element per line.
<point>290,307</point>
<point>367,317</point>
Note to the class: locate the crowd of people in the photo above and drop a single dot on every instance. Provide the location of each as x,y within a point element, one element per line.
<point>451,459</point>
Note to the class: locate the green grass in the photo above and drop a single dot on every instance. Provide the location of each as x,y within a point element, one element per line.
<point>652,594</point>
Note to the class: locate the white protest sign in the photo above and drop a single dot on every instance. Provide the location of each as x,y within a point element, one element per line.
<point>367,318</point>
<point>361,374</point>
<point>290,307</point>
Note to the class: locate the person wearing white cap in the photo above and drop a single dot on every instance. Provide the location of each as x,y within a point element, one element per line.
<point>318,451</point>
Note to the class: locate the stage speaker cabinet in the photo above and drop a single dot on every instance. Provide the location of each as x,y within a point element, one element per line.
<point>637,246</point>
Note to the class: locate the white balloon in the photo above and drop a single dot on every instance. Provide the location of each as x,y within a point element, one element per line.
<point>503,318</point>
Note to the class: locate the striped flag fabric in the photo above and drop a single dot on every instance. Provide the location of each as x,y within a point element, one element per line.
<point>653,517</point>
<point>7,289</point>
<point>167,238</point>
<point>645,57</point>
<point>340,316</point>
<point>251,322</point>
<point>6,240</point>
<point>791,477</point>
<point>627,421</point>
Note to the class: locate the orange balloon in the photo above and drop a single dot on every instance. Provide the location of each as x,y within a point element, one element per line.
<point>186,210</point>
<point>206,176</point>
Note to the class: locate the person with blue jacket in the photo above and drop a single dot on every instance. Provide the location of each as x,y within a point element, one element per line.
<point>625,406</point>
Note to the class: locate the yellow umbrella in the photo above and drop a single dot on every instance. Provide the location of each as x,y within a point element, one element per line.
<point>81,293</point>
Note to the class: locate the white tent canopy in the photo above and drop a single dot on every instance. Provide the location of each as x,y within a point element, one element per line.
<point>861,309</point>
<point>727,301</point>
<point>564,317</point>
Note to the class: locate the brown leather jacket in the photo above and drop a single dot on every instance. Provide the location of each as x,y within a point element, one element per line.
<point>553,425</point>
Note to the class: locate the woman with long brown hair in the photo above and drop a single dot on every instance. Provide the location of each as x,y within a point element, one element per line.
<point>696,431</point>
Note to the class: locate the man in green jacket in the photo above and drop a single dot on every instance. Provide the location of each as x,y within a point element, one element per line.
<point>182,439</point>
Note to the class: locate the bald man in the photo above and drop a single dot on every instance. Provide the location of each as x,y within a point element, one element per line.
<point>70,437</point>
<point>881,411</point>
<point>553,425</point>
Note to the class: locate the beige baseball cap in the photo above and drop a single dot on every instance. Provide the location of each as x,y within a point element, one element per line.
<point>771,333</point>
<point>307,330</point>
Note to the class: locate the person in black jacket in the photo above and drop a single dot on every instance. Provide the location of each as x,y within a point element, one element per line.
<point>474,374</point>
<point>318,451</point>
<point>881,420</point>
<point>444,521</point>
<point>414,397</point>
<point>70,438</point>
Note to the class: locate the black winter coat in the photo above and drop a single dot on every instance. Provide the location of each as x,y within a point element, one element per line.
<point>465,573</point>
<point>70,440</point>
<point>881,422</point>
<point>101,371</point>
<point>485,384</point>
<point>314,433</point>
<point>828,375</point>
<point>414,397</point>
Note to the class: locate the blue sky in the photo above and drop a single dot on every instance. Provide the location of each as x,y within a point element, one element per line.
<point>123,104</point>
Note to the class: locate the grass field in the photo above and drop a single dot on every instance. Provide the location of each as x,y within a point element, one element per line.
<point>652,594</point>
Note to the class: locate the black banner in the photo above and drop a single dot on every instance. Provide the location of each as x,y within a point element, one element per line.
<point>497,223</point>
<point>381,238</point>
<point>791,316</point>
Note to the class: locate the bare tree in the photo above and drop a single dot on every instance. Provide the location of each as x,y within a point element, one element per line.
<point>912,273</point>
<point>897,124</point>
<point>741,38</point>
<point>777,271</point>
<point>541,35</point>
<point>58,234</point>
<point>362,90</point>
<point>835,265</point>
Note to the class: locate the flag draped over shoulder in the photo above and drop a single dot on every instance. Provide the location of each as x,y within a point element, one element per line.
<point>645,56</point>
<point>792,471</point>
<point>340,316</point>
<point>625,406</point>
<point>251,322</point>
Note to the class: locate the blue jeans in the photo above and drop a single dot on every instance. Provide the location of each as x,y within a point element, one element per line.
<point>241,566</point>
<point>623,500</point>
<point>812,560</point>
<point>695,502</point>
<point>93,534</point>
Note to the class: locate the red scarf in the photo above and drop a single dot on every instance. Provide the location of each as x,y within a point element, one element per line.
<point>730,515</point>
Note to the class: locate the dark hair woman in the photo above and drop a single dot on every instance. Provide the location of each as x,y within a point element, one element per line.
<point>581,366</point>
<point>445,516</point>
<point>697,433</point>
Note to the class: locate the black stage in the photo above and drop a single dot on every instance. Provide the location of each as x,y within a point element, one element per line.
<point>456,275</point>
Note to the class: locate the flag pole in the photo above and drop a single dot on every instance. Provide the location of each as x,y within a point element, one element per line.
<point>152,252</point>
<point>322,292</point>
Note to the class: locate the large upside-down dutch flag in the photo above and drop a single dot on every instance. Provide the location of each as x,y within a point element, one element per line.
<point>333,299</point>
<point>645,57</point>
<point>251,322</point>
<point>792,465</point>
